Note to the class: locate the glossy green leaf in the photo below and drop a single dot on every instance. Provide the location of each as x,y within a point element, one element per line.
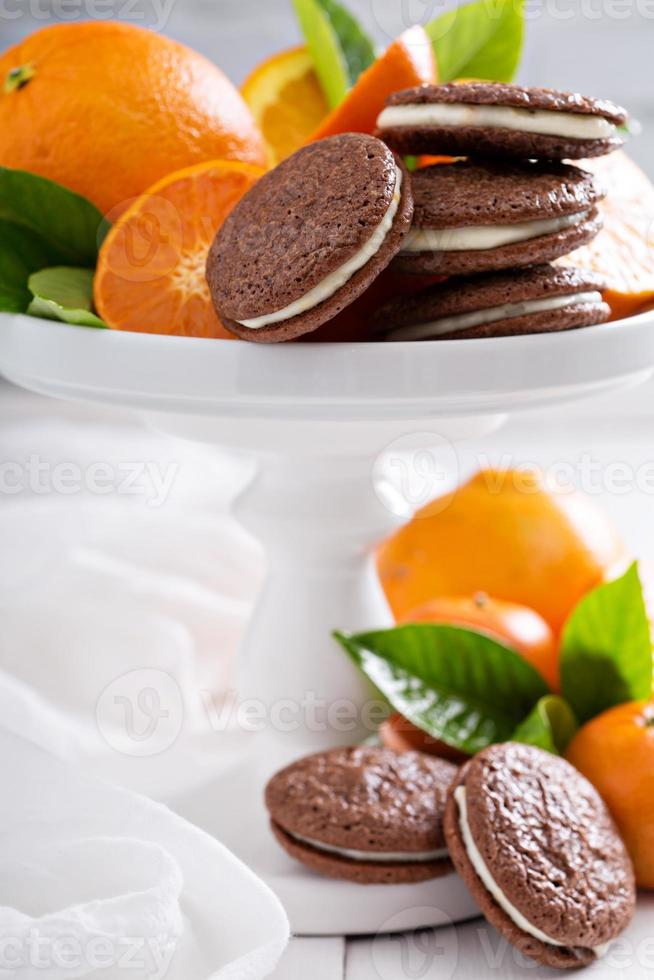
<point>458,685</point>
<point>550,725</point>
<point>70,225</point>
<point>21,253</point>
<point>606,648</point>
<point>482,40</point>
<point>339,47</point>
<point>66,294</point>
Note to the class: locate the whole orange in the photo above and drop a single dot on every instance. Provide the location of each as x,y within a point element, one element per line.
<point>107,109</point>
<point>516,626</point>
<point>615,751</point>
<point>507,533</point>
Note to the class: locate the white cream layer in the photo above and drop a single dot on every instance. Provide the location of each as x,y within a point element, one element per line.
<point>388,857</point>
<point>337,279</point>
<point>545,122</point>
<point>479,238</point>
<point>465,321</point>
<point>489,883</point>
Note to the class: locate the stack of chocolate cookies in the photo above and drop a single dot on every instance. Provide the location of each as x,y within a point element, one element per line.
<point>493,218</point>
<point>317,231</point>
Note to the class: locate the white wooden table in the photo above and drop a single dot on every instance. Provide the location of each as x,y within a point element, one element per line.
<point>473,951</point>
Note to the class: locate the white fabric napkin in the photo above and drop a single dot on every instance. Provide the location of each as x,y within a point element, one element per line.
<point>121,572</point>
<point>99,882</point>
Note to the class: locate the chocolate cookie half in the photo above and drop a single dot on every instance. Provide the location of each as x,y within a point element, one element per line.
<point>477,217</point>
<point>540,299</point>
<point>365,814</point>
<point>493,119</point>
<point>309,238</point>
<point>536,846</point>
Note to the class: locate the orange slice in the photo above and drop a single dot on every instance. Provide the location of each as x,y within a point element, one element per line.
<point>623,252</point>
<point>407,62</point>
<point>151,268</point>
<point>286,100</point>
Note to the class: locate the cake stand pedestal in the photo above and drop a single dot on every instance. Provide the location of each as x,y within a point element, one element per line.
<point>319,418</point>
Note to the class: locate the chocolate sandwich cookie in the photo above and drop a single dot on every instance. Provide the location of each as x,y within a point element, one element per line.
<point>309,238</point>
<point>493,119</point>
<point>540,299</point>
<point>477,217</point>
<point>538,850</point>
<point>365,814</point>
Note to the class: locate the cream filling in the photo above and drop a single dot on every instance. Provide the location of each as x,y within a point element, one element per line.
<point>465,321</point>
<point>491,885</point>
<point>478,238</point>
<point>337,279</point>
<point>387,857</point>
<point>546,122</point>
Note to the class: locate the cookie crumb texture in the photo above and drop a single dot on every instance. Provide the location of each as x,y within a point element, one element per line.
<point>552,847</point>
<point>364,799</point>
<point>301,222</point>
<point>467,194</point>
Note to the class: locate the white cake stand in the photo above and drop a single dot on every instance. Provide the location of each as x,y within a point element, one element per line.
<point>317,416</point>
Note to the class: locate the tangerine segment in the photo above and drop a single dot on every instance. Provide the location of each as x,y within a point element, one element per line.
<point>151,268</point>
<point>407,62</point>
<point>286,100</point>
<point>623,252</point>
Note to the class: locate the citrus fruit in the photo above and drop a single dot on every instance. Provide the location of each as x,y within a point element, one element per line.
<point>286,100</point>
<point>623,252</point>
<point>615,751</point>
<point>516,626</point>
<point>107,109</point>
<point>151,268</point>
<point>400,735</point>
<point>407,62</point>
<point>507,533</point>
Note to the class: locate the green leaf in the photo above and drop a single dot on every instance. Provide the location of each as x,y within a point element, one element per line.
<point>481,40</point>
<point>339,46</point>
<point>458,685</point>
<point>21,253</point>
<point>69,224</point>
<point>606,648</point>
<point>64,294</point>
<point>551,725</point>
